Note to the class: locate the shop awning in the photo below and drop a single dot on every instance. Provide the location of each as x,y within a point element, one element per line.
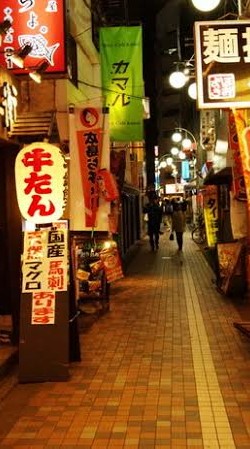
<point>223,176</point>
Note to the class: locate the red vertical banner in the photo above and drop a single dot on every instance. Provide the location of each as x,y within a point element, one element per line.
<point>89,140</point>
<point>236,125</point>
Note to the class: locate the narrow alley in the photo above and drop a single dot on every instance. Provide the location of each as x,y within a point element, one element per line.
<point>165,368</point>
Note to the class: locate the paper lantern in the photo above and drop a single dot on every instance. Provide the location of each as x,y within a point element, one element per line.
<point>41,182</point>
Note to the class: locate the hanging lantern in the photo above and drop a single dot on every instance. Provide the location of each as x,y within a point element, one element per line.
<point>41,182</point>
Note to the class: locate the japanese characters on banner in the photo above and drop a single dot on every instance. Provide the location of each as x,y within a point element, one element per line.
<point>222,59</point>
<point>122,81</point>
<point>237,123</point>
<point>45,271</point>
<point>211,214</point>
<point>89,151</point>
<point>41,182</point>
<point>33,23</point>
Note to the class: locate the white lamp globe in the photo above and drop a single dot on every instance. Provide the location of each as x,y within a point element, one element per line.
<point>169,160</point>
<point>206,5</point>
<point>176,137</point>
<point>186,143</point>
<point>174,151</point>
<point>163,164</point>
<point>192,91</point>
<point>182,155</point>
<point>177,79</point>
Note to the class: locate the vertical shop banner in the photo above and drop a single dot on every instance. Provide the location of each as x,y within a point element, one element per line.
<point>33,23</point>
<point>240,117</point>
<point>237,122</point>
<point>211,214</point>
<point>45,271</point>
<point>122,81</point>
<point>45,261</point>
<point>89,153</point>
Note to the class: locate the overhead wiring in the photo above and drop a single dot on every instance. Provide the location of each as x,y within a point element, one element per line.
<point>106,89</point>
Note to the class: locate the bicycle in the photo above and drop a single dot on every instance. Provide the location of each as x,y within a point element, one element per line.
<point>199,234</point>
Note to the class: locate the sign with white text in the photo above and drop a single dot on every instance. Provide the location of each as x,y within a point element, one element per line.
<point>33,23</point>
<point>222,54</point>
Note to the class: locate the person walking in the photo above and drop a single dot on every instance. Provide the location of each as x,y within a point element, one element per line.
<point>167,212</point>
<point>179,220</point>
<point>154,218</point>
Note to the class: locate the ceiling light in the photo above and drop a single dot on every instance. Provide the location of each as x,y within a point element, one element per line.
<point>18,57</point>
<point>177,79</point>
<point>207,5</point>
<point>36,75</point>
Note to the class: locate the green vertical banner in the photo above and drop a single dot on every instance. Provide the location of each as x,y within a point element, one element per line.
<point>122,81</point>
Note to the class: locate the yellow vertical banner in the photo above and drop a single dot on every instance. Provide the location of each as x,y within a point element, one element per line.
<point>211,214</point>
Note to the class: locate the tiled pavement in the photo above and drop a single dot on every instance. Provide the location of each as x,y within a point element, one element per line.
<point>164,369</point>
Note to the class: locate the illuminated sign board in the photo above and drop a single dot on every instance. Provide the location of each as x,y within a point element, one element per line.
<point>41,182</point>
<point>222,54</point>
<point>40,24</point>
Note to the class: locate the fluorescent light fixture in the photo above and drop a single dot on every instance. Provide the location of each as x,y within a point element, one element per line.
<point>36,74</point>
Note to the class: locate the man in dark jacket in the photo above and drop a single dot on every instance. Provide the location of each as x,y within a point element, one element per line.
<point>154,212</point>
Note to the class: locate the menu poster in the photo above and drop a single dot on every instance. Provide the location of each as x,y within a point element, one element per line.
<point>229,263</point>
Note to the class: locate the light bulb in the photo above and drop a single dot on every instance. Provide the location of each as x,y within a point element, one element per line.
<point>174,151</point>
<point>177,80</point>
<point>182,155</point>
<point>176,137</point>
<point>192,91</point>
<point>206,5</point>
<point>186,143</point>
<point>169,160</point>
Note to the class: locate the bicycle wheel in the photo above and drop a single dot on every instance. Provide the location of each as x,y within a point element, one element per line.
<point>198,235</point>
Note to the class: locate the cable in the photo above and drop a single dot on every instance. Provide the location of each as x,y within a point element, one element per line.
<point>111,90</point>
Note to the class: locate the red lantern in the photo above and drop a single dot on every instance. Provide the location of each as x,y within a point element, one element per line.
<point>107,186</point>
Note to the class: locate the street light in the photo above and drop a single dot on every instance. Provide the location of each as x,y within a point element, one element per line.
<point>209,5</point>
<point>206,5</point>
<point>187,141</point>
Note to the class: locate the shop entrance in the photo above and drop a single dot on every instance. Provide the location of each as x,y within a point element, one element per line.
<point>10,238</point>
<point>5,303</point>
